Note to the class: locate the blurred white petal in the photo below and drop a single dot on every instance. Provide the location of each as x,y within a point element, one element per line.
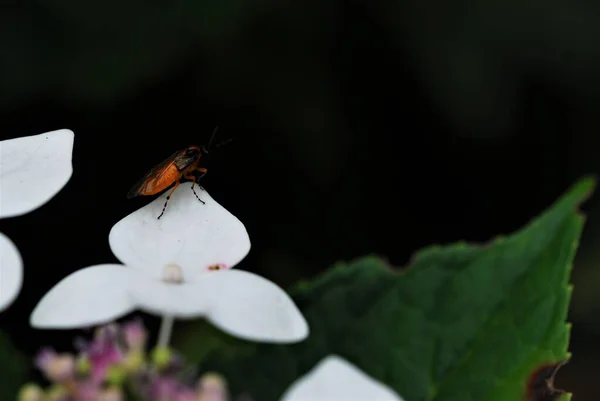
<point>335,379</point>
<point>91,296</point>
<point>33,169</point>
<point>189,234</point>
<point>251,307</point>
<point>11,272</point>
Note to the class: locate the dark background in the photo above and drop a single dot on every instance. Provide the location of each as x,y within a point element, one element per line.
<point>357,129</point>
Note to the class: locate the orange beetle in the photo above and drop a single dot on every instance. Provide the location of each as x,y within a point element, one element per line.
<point>181,165</point>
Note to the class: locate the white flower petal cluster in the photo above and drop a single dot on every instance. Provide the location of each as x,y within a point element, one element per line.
<point>33,169</point>
<point>177,266</point>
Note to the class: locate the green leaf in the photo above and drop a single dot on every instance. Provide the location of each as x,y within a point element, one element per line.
<point>463,322</point>
<point>14,369</point>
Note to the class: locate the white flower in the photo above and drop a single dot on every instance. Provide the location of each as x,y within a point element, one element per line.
<point>335,379</point>
<point>32,170</point>
<point>167,270</point>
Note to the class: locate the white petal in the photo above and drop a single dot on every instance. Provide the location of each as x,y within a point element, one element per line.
<point>189,234</point>
<point>88,297</point>
<point>251,307</point>
<point>33,169</point>
<point>183,301</point>
<point>335,378</point>
<point>11,271</point>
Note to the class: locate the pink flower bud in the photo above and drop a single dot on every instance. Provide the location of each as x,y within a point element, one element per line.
<point>212,387</point>
<point>103,352</point>
<point>57,368</point>
<point>134,334</point>
<point>164,389</point>
<point>86,391</point>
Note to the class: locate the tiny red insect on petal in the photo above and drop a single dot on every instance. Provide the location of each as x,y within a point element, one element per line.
<point>181,165</point>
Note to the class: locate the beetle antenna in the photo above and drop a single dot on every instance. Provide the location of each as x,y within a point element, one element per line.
<point>225,142</point>
<point>212,137</point>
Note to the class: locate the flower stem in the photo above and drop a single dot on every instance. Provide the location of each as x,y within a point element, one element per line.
<point>166,328</point>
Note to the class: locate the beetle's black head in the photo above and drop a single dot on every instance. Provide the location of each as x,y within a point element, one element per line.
<point>187,157</point>
<point>193,152</point>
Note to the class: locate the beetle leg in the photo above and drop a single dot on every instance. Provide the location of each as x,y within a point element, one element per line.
<point>203,171</point>
<point>193,178</point>
<point>168,197</point>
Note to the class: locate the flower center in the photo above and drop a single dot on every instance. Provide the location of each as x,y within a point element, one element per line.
<point>173,273</point>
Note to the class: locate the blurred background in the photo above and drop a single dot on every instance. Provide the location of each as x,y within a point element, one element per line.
<point>357,128</point>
